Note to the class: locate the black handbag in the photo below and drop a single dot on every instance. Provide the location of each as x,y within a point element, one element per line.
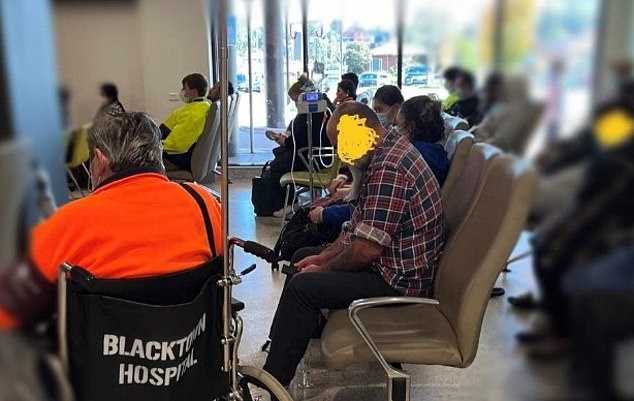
<point>267,195</point>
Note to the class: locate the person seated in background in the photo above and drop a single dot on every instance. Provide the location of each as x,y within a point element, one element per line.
<point>468,102</point>
<point>450,75</point>
<point>114,232</point>
<point>110,104</point>
<point>214,91</point>
<point>181,130</point>
<point>597,223</point>
<point>351,76</point>
<point>420,119</point>
<point>346,91</point>
<point>286,156</point>
<point>494,107</point>
<point>386,103</point>
<point>390,247</point>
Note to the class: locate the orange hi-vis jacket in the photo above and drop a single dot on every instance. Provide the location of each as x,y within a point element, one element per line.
<point>136,224</point>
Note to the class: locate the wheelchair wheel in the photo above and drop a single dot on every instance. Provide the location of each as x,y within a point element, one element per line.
<point>258,385</point>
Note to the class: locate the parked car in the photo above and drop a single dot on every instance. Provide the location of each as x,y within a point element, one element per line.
<point>416,75</point>
<point>242,83</point>
<point>373,79</point>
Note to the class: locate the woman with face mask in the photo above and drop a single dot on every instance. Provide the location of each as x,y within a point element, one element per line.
<point>420,119</point>
<point>386,103</point>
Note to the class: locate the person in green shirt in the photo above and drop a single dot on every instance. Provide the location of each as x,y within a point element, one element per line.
<point>450,75</point>
<point>183,127</point>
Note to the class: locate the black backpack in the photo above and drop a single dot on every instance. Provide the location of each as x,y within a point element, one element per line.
<point>298,233</point>
<point>266,194</point>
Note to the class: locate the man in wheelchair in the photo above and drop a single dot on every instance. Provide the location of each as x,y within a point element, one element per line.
<point>136,223</point>
<point>390,247</point>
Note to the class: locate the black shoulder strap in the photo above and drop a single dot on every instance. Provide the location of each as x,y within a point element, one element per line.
<point>203,210</point>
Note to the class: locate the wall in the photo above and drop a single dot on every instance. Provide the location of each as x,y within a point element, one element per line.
<point>99,42</point>
<point>174,39</point>
<point>616,42</point>
<point>145,47</point>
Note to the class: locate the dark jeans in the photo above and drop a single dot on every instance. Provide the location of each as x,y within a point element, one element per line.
<point>181,160</point>
<point>297,315</point>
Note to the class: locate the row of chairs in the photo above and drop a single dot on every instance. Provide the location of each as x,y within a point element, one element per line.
<point>206,153</point>
<point>486,200</point>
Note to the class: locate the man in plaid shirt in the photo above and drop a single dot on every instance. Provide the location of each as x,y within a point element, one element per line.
<point>390,247</point>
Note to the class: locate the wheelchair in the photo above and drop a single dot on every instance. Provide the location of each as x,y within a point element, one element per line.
<point>169,337</point>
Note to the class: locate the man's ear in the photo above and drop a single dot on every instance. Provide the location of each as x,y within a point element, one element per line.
<point>101,163</point>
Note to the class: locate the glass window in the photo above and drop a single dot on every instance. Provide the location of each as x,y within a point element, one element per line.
<point>439,34</point>
<point>350,37</point>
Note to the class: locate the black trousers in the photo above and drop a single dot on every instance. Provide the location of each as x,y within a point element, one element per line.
<point>299,308</point>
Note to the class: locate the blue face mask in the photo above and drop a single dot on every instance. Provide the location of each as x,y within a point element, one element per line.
<point>460,94</point>
<point>384,120</point>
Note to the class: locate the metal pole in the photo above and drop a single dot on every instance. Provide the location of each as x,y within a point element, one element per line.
<point>250,62</point>
<point>224,189</point>
<point>498,35</point>
<point>400,22</point>
<point>305,35</point>
<point>286,25</point>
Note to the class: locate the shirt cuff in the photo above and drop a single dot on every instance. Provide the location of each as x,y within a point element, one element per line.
<point>366,231</point>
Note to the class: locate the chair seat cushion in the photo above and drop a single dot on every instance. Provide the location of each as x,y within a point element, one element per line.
<point>302,178</point>
<point>417,334</point>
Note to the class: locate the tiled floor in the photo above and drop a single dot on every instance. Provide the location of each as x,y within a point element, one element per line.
<point>499,372</point>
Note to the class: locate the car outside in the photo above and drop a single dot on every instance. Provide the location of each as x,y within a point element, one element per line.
<point>416,75</point>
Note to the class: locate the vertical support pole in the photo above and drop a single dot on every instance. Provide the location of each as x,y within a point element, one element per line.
<point>305,34</point>
<point>274,63</point>
<point>400,26</point>
<point>498,35</point>
<point>250,66</point>
<point>224,188</point>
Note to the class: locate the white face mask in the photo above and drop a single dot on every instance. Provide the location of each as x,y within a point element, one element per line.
<point>184,98</point>
<point>384,120</point>
<point>448,86</point>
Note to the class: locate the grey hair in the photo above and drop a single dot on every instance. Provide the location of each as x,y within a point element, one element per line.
<point>128,140</point>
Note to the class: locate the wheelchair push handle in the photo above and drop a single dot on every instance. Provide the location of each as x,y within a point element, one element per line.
<point>254,248</point>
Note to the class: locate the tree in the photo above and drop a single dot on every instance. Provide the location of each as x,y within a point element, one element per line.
<point>357,57</point>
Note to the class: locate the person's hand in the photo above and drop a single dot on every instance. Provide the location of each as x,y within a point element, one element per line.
<point>316,215</point>
<point>309,262</point>
<point>311,269</point>
<point>280,139</point>
<point>336,183</point>
<point>341,194</point>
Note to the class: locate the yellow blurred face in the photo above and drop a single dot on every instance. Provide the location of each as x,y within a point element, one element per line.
<point>355,139</point>
<point>614,128</point>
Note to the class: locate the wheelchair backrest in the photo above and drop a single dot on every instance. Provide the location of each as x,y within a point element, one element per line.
<point>155,338</point>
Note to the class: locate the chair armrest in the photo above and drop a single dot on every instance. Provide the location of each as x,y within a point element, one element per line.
<point>368,303</point>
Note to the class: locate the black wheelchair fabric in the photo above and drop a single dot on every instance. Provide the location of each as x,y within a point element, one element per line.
<point>156,338</point>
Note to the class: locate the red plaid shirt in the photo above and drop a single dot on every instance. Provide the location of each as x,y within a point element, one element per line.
<point>399,208</point>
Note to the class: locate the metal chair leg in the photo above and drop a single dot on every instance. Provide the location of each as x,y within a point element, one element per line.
<point>515,259</point>
<point>283,218</point>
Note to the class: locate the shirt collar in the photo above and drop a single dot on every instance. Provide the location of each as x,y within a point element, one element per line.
<point>127,174</point>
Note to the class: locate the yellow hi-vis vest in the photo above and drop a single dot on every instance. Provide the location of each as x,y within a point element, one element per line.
<point>186,125</point>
